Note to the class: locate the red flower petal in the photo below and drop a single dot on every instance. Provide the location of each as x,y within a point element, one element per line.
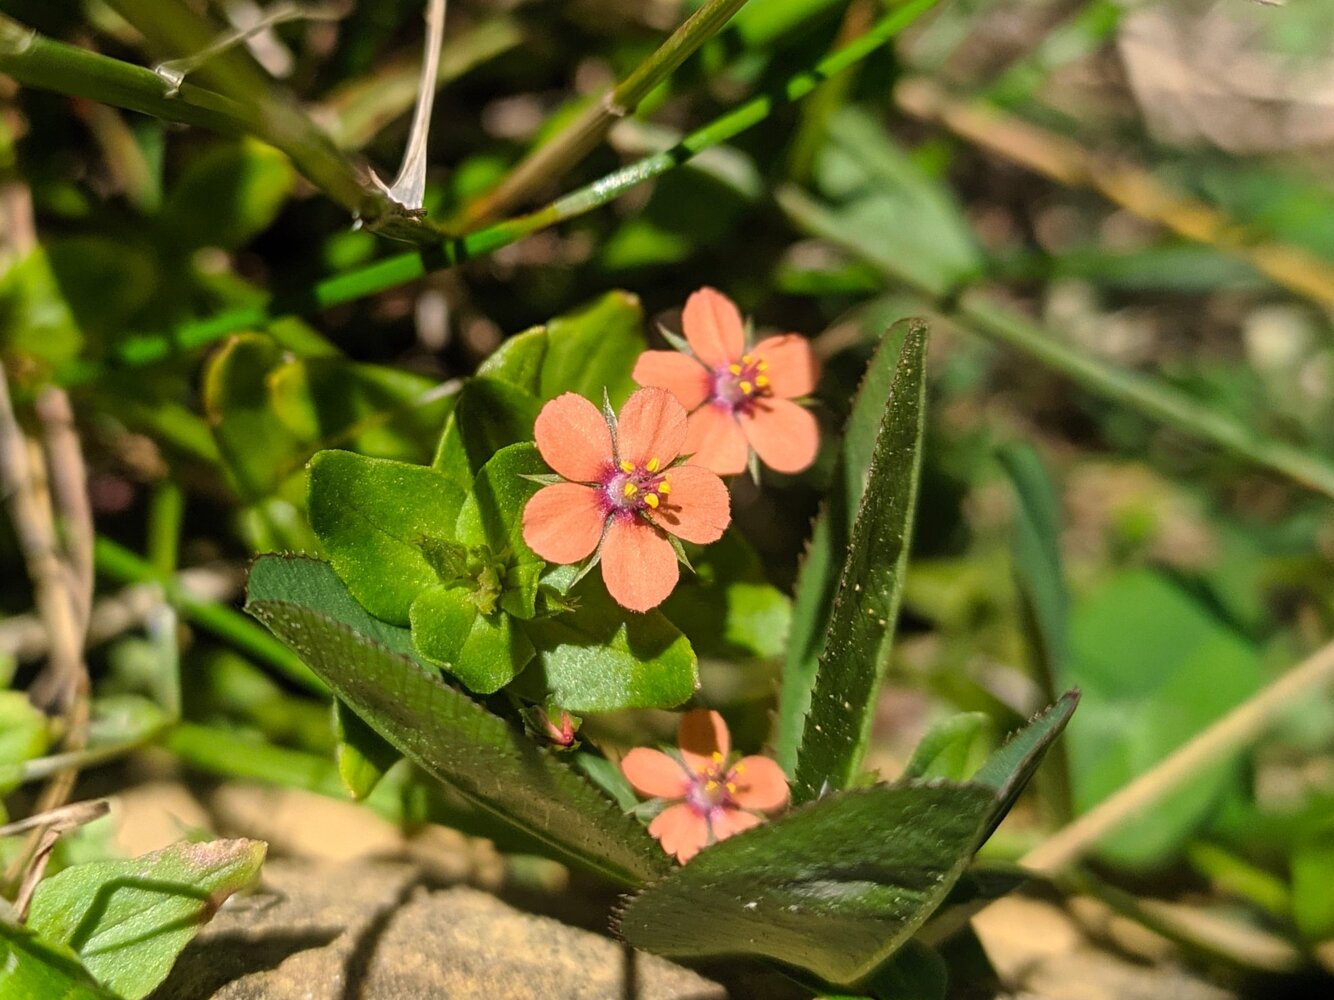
<point>713,328</point>
<point>638,564</point>
<point>698,508</point>
<point>563,522</point>
<point>716,441</point>
<point>573,437</point>
<point>652,424</point>
<point>725,822</point>
<point>680,830</point>
<point>703,739</point>
<point>681,375</point>
<point>783,434</point>
<point>793,369</point>
<point>655,774</point>
<point>760,784</point>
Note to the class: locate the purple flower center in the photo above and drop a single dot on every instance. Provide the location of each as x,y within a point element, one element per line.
<point>629,489</point>
<point>739,384</point>
<point>713,789</point>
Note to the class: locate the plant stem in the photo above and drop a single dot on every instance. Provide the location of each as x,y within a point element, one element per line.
<point>37,61</point>
<point>138,350</point>
<point>974,312</point>
<point>553,158</point>
<point>122,564</point>
<point>1218,742</point>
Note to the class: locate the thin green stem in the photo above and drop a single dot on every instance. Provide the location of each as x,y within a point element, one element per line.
<point>567,147</point>
<point>138,350</point>
<point>121,564</point>
<point>974,312</point>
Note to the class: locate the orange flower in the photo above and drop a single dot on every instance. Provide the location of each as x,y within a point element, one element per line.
<point>713,798</point>
<point>740,400</point>
<point>622,494</point>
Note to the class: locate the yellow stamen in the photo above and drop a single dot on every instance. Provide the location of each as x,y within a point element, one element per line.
<point>747,359</point>
<point>631,489</point>
<point>653,465</point>
<point>746,387</point>
<point>731,787</point>
<point>627,466</point>
<point>740,767</point>
<point>711,784</point>
<point>651,499</point>
<point>665,487</point>
<point>717,757</point>
<point>763,365</point>
<point>762,381</point>
<point>734,369</point>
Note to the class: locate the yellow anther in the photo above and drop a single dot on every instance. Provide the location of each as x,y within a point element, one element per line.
<point>653,465</point>
<point>763,365</point>
<point>711,784</point>
<point>631,489</point>
<point>731,787</point>
<point>762,381</point>
<point>651,499</point>
<point>627,466</point>
<point>665,487</point>
<point>747,359</point>
<point>734,369</point>
<point>717,757</point>
<point>746,387</point>
<point>740,767</point>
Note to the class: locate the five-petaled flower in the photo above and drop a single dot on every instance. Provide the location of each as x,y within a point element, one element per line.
<point>622,493</point>
<point>740,399</point>
<point>712,797</point>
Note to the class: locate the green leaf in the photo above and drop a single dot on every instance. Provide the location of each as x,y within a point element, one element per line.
<point>24,734</point>
<point>492,516</point>
<point>227,196</point>
<point>840,884</point>
<point>31,968</point>
<point>817,580</point>
<point>128,920</point>
<point>484,651</point>
<point>861,625</point>
<point>835,887</point>
<point>727,607</point>
<point>916,972</point>
<point>258,450</point>
<point>1037,555</point>
<point>489,415</point>
<point>374,517</point>
<point>361,754</point>
<point>1156,666</point>
<point>594,349</point>
<point>371,666</point>
<point>600,658</point>
<point>1312,865</point>
<point>518,361</point>
<point>35,321</point>
<point>952,748</point>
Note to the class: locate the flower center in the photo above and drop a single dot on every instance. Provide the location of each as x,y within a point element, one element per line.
<point>714,788</point>
<point>633,489</point>
<point>741,383</point>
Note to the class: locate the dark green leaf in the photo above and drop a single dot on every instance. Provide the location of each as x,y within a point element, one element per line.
<point>362,755</point>
<point>594,349</point>
<point>371,666</point>
<point>835,887</point>
<point>373,517</point>
<point>518,361</point>
<point>1156,665</point>
<point>128,920</point>
<point>228,195</point>
<point>484,651</point>
<point>817,581</point>
<point>34,969</point>
<point>492,516</point>
<point>1009,769</point>
<point>916,972</point>
<point>726,606</point>
<point>489,415</point>
<point>861,626</point>
<point>952,748</point>
<point>600,658</point>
